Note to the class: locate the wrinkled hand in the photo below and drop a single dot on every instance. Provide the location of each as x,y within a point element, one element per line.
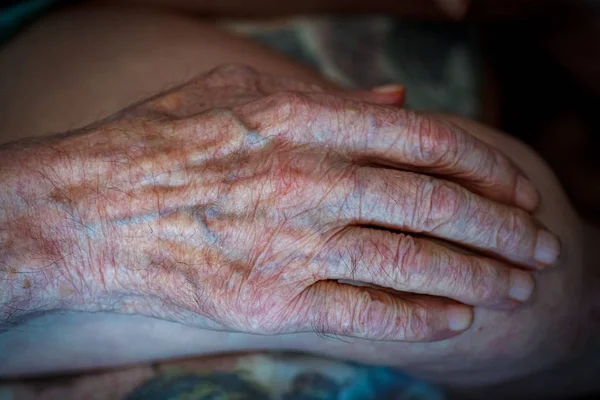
<point>239,200</point>
<point>552,335</point>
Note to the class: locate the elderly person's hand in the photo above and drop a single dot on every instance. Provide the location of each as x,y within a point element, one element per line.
<point>551,342</point>
<point>238,201</point>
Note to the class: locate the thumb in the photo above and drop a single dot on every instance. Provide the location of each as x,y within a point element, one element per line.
<point>393,95</point>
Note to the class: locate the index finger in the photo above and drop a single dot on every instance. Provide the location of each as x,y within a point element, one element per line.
<point>388,136</point>
<point>411,141</point>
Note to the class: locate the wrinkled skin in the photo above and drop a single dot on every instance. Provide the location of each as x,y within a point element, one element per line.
<point>237,201</point>
<point>553,334</point>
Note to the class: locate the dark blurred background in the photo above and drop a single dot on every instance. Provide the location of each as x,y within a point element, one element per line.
<point>544,72</point>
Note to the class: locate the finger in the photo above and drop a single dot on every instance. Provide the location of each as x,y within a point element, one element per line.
<point>340,309</point>
<point>370,133</point>
<point>431,145</point>
<point>410,141</point>
<point>418,265</point>
<point>407,201</point>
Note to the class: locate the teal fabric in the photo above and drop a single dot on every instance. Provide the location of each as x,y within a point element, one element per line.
<point>14,17</point>
<point>286,377</point>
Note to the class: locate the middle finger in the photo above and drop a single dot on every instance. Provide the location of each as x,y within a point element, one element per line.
<point>412,202</point>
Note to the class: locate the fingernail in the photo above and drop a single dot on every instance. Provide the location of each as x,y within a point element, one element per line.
<point>521,285</point>
<point>459,318</point>
<point>547,248</point>
<point>526,196</point>
<point>392,88</point>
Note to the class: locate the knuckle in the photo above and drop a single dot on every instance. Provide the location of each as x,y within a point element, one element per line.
<point>438,203</point>
<point>232,74</point>
<point>166,105</point>
<point>484,281</point>
<point>332,312</point>
<point>509,234</point>
<point>221,121</point>
<point>437,142</point>
<point>417,322</point>
<point>407,258</point>
<point>486,163</point>
<point>374,318</point>
<point>290,101</point>
<point>282,112</point>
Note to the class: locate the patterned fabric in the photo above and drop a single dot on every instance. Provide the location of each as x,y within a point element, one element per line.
<point>17,14</point>
<point>285,377</point>
<point>437,62</point>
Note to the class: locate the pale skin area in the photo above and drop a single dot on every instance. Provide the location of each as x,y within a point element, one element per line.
<point>501,344</point>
